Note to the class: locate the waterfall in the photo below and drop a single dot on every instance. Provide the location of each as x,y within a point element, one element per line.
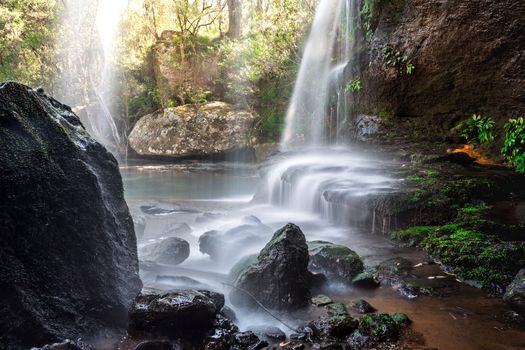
<point>320,173</point>
<point>326,56</point>
<point>87,62</point>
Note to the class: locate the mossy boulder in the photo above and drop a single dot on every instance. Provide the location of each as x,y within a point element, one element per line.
<point>338,323</point>
<point>211,129</point>
<point>334,261</point>
<point>279,279</point>
<point>515,293</point>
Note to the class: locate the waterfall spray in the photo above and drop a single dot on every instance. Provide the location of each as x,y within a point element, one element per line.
<point>324,62</point>
<point>88,76</point>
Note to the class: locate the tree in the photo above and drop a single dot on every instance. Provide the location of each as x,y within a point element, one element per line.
<point>234,19</point>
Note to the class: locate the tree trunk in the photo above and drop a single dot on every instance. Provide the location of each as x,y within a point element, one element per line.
<point>234,18</point>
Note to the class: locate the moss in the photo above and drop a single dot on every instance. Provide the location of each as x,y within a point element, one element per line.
<point>400,318</point>
<point>378,326</point>
<point>336,309</point>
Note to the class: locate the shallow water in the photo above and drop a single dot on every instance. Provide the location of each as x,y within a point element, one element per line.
<point>464,318</point>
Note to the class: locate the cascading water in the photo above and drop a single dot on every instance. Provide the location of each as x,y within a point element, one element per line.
<point>87,64</point>
<point>325,59</point>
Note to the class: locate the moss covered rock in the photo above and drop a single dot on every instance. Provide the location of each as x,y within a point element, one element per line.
<point>334,261</point>
<point>279,279</point>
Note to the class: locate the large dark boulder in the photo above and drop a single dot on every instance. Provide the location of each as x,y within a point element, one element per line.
<point>515,293</point>
<point>279,279</point>
<point>67,246</point>
<point>175,313</point>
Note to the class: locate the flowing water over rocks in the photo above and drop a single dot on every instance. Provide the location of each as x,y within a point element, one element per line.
<point>405,282</point>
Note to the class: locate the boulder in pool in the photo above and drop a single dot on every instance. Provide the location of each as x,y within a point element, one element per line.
<point>69,254</point>
<point>334,261</point>
<point>221,245</point>
<point>172,251</point>
<point>175,313</point>
<point>515,293</point>
<point>213,128</point>
<point>279,279</point>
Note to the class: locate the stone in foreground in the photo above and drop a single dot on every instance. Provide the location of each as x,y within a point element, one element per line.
<point>69,258</point>
<point>279,279</point>
<point>175,313</point>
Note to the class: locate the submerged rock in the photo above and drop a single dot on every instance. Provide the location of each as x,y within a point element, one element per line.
<point>213,128</point>
<point>333,260</point>
<point>280,278</point>
<point>176,313</point>
<point>362,306</point>
<point>176,229</point>
<point>225,244</point>
<point>515,293</point>
<point>171,251</point>
<point>69,258</point>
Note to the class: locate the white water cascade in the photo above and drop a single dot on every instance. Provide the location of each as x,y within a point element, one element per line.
<point>88,73</point>
<point>320,79</point>
<point>319,173</point>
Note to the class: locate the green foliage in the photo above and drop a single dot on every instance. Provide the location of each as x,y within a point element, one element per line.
<point>27,48</point>
<point>478,129</point>
<point>462,246</point>
<point>396,59</point>
<point>369,13</point>
<point>170,103</point>
<point>353,86</point>
<point>514,144</point>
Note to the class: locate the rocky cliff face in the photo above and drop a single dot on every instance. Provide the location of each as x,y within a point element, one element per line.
<point>215,128</point>
<point>468,57</point>
<point>68,250</point>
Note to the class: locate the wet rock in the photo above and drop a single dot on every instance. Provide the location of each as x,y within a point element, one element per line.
<point>69,259</point>
<point>337,324</point>
<point>176,229</point>
<point>368,127</point>
<point>515,293</point>
<point>514,318</point>
<point>408,291</point>
<point>213,128</point>
<point>378,326</point>
<point>400,319</point>
<point>317,281</point>
<point>293,346</point>
<point>67,345</point>
<point>362,306</point>
<point>176,313</point>
<point>162,344</point>
<point>171,250</point>
<point>394,268</point>
<point>334,261</point>
<point>357,341</point>
<point>247,340</point>
<point>268,333</point>
<point>321,300</point>
<point>229,313</point>
<point>365,280</point>
<point>222,244</point>
<point>279,279</point>
<point>241,265</point>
